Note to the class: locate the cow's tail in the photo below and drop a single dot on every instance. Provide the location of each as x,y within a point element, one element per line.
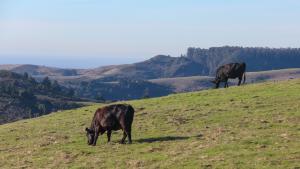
<point>130,113</point>
<point>244,77</point>
<point>131,109</point>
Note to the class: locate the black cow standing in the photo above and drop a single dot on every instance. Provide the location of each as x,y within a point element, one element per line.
<point>111,118</point>
<point>230,71</point>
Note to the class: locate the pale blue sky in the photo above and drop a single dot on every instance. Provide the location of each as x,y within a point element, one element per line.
<point>91,33</point>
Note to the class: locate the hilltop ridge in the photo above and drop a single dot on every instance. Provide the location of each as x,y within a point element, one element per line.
<point>196,62</point>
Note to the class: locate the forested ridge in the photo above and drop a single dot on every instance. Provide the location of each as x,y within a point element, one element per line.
<point>21,96</point>
<point>257,59</point>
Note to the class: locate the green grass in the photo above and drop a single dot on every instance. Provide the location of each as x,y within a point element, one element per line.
<point>252,126</point>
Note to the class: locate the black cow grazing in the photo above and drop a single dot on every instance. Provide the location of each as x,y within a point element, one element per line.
<point>111,118</point>
<point>230,71</point>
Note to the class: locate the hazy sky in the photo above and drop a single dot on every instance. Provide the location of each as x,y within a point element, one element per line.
<point>90,33</point>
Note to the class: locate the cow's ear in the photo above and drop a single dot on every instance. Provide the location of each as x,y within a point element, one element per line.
<point>87,130</point>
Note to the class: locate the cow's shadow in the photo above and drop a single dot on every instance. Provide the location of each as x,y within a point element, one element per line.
<point>159,139</point>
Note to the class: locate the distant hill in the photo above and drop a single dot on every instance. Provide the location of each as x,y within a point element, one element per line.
<point>156,67</point>
<point>160,66</point>
<point>40,71</point>
<point>21,96</point>
<point>196,62</point>
<point>123,89</point>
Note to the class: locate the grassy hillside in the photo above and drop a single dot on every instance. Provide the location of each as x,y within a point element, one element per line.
<point>254,126</point>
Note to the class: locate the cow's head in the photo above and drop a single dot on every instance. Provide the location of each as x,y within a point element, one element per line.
<point>213,81</point>
<point>216,82</point>
<point>90,134</point>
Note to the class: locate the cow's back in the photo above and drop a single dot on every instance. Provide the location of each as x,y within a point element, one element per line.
<point>237,70</point>
<point>124,113</point>
<point>115,116</point>
<point>231,70</point>
<point>224,71</point>
<point>105,119</point>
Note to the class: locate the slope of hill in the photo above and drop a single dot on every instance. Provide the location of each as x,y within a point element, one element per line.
<point>158,67</point>
<point>194,83</point>
<point>22,97</point>
<point>252,126</point>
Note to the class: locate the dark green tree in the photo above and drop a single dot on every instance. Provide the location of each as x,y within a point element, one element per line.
<point>56,88</point>
<point>45,85</point>
<point>146,93</point>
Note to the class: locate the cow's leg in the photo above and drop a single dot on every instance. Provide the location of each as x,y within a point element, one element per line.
<point>240,80</point>
<point>124,137</point>
<point>96,137</point>
<point>128,132</point>
<point>108,135</point>
<point>217,84</point>
<point>225,84</point>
